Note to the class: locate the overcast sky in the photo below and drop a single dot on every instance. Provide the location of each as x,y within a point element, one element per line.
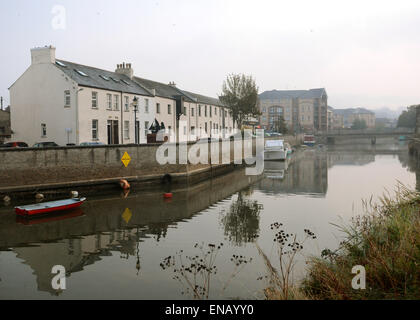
<point>365,53</point>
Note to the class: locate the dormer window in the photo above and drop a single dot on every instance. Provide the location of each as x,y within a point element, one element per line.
<point>115,80</point>
<point>104,77</point>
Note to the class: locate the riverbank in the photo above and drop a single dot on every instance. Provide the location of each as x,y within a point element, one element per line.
<point>385,241</point>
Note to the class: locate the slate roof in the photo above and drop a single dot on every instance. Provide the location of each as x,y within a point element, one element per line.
<point>94,80</point>
<point>162,89</point>
<point>289,94</point>
<point>137,85</point>
<point>204,99</point>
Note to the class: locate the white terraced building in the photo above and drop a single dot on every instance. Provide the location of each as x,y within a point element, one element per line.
<point>70,103</point>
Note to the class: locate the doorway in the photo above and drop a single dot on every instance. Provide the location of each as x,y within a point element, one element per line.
<point>112,130</point>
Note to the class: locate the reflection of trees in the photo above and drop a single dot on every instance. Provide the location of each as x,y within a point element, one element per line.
<point>242,221</point>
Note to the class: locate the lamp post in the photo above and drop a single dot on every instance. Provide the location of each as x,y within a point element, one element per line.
<point>135,108</point>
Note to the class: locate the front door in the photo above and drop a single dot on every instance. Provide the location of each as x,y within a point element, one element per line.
<point>112,131</point>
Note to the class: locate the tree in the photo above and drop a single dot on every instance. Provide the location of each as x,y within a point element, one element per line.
<point>407,119</point>
<point>281,126</point>
<point>240,95</point>
<point>359,124</point>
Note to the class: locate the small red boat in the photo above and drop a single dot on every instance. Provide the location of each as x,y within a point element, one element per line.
<point>46,207</point>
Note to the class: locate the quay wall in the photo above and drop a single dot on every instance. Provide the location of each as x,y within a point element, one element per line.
<point>31,169</point>
<point>37,169</point>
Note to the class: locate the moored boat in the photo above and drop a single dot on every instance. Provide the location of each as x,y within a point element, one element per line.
<point>47,207</point>
<point>309,140</point>
<point>275,150</point>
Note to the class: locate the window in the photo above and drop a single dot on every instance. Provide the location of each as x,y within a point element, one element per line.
<point>113,79</point>
<point>109,101</point>
<point>192,112</point>
<point>126,129</point>
<point>81,73</point>
<point>43,130</point>
<point>185,130</point>
<point>103,77</point>
<point>61,64</point>
<point>185,111</point>
<point>169,109</point>
<point>205,112</point>
<point>210,108</point>
<point>157,107</point>
<point>215,111</point>
<point>125,82</point>
<point>199,110</point>
<point>146,128</point>
<point>193,130</point>
<point>126,104</point>
<point>205,127</point>
<point>67,98</point>
<point>116,102</point>
<point>146,107</point>
<point>94,100</point>
<point>94,129</point>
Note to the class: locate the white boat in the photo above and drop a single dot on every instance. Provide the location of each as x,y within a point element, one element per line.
<point>275,150</point>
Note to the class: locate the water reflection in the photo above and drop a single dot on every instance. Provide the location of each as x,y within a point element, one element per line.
<point>306,172</point>
<point>139,230</point>
<point>115,224</point>
<point>241,222</point>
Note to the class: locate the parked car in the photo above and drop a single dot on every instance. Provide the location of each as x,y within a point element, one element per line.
<point>17,144</point>
<point>96,143</point>
<point>45,144</point>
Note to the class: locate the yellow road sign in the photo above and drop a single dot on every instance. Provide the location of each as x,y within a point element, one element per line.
<point>126,159</point>
<point>127,215</point>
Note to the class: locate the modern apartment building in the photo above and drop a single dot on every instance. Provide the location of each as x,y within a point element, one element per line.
<point>344,118</point>
<point>70,103</point>
<point>302,110</point>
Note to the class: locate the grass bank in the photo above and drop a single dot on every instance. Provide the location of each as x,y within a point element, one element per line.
<point>385,241</point>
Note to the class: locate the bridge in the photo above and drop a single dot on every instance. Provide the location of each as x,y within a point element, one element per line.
<point>331,136</point>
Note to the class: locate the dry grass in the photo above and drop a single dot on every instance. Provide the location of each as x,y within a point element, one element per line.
<point>386,241</point>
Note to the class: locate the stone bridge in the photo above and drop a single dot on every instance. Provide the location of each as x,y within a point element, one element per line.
<point>332,136</point>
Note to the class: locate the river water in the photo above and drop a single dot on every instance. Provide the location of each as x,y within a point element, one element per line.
<point>115,246</point>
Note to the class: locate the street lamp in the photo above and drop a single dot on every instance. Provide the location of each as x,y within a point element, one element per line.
<point>135,108</point>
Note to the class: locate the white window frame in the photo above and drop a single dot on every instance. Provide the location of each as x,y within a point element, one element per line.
<point>126,104</point>
<point>94,100</point>
<point>109,101</point>
<point>95,130</point>
<point>146,105</point>
<point>67,99</point>
<point>43,130</point>
<point>126,129</point>
<point>116,102</point>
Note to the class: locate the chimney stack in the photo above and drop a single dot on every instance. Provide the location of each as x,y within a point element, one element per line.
<point>43,55</point>
<point>172,84</point>
<point>125,69</point>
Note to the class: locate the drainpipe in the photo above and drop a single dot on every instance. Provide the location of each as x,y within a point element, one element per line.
<point>77,115</point>
<point>122,120</point>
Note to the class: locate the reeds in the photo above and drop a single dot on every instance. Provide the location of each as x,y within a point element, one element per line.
<point>385,241</point>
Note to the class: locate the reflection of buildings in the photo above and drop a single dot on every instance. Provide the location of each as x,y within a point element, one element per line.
<point>103,229</point>
<point>349,159</point>
<point>307,173</point>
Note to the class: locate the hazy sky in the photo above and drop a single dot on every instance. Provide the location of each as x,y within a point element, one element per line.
<point>365,53</point>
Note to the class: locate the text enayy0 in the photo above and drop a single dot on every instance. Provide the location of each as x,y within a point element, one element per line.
<point>231,309</point>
